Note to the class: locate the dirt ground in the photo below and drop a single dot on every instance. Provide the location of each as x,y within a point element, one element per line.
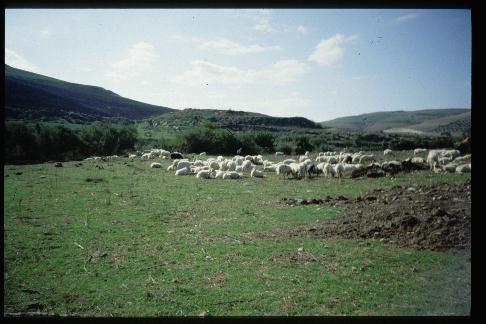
<point>436,217</point>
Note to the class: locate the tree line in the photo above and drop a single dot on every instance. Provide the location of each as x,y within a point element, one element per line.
<point>40,142</point>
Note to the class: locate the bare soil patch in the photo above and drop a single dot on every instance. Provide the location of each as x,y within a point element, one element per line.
<point>436,217</point>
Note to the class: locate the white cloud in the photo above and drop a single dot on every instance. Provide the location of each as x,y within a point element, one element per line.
<point>330,51</point>
<point>16,60</point>
<point>407,17</point>
<point>264,26</point>
<point>229,47</point>
<point>205,73</point>
<point>45,33</point>
<point>302,30</point>
<point>285,71</point>
<point>291,105</point>
<point>138,60</point>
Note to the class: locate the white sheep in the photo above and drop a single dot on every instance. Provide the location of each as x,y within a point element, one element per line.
<point>218,173</point>
<point>418,160</point>
<point>256,173</point>
<point>231,165</point>
<point>246,166</point>
<point>450,167</point>
<point>289,161</point>
<point>213,165</point>
<point>298,170</point>
<point>202,153</point>
<point>461,159</point>
<point>279,153</point>
<point>283,169</point>
<point>203,174</point>
<point>232,175</point>
<point>339,170</point>
<point>155,165</point>
<point>366,158</point>
<point>387,152</point>
<point>164,154</point>
<point>302,158</point>
<point>183,171</point>
<point>418,151</point>
<point>183,164</point>
<point>349,168</point>
<point>464,168</point>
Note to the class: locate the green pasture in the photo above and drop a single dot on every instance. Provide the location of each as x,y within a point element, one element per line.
<point>119,238</point>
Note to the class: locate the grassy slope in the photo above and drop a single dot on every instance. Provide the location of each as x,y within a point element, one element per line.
<point>180,246</point>
<point>424,120</point>
<point>31,91</point>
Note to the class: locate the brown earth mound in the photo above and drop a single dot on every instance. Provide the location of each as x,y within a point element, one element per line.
<point>436,217</point>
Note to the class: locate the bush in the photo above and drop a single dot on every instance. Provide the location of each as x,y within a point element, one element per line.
<point>303,145</point>
<point>285,148</point>
<point>265,140</point>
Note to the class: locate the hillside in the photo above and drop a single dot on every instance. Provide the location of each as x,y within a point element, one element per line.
<point>419,121</point>
<point>36,97</point>
<point>236,120</point>
<point>33,96</point>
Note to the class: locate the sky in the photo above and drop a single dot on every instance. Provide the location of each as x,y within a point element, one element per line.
<point>316,63</point>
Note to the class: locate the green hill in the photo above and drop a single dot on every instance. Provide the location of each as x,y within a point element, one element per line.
<point>236,120</point>
<point>30,95</point>
<point>418,121</point>
<point>33,96</point>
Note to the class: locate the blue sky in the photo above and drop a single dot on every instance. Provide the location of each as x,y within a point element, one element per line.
<point>316,63</point>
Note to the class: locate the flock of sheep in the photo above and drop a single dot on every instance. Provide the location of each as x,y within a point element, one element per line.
<point>327,163</point>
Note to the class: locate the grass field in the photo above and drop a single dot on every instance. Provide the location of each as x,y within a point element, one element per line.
<point>128,240</point>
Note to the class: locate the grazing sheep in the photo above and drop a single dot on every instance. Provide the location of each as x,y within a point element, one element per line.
<point>451,153</point>
<point>132,156</point>
<point>298,170</point>
<point>176,155</point>
<point>279,153</point>
<point>232,175</point>
<point>349,168</point>
<point>198,163</point>
<point>465,158</point>
<point>418,160</point>
<point>203,174</point>
<point>339,170</point>
<point>164,154</point>
<point>433,158</point>
<point>283,169</point>
<point>450,167</point>
<point>311,168</point>
<point>155,165</point>
<point>256,173</point>
<point>419,151</point>
<point>387,152</point>
<point>218,173</point>
<point>332,160</point>
<point>464,168</point>
<point>202,153</point>
<point>239,160</point>
<point>289,161</point>
<point>182,164</point>
<point>321,158</point>
<point>231,165</point>
<point>366,158</point>
<point>246,166</point>
<point>183,171</point>
<point>302,158</point>
<point>214,165</point>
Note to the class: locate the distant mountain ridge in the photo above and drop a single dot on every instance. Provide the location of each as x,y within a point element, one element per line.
<point>453,120</point>
<point>35,95</point>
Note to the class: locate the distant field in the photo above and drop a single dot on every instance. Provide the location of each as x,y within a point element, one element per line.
<point>128,240</point>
